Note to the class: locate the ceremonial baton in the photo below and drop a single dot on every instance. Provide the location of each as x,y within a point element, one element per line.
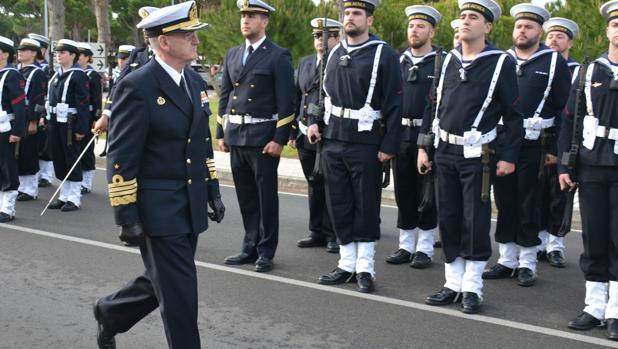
<point>96,135</point>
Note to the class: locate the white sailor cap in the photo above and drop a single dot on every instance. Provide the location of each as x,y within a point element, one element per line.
<point>562,25</point>
<point>254,6</point>
<point>455,24</point>
<point>44,41</point>
<point>124,51</point>
<point>488,8</point>
<point>7,45</point>
<point>182,17</point>
<point>67,45</point>
<point>331,25</point>
<point>85,48</point>
<point>367,5</point>
<point>530,11</point>
<point>145,11</point>
<point>609,10</point>
<point>29,44</point>
<point>424,12</point>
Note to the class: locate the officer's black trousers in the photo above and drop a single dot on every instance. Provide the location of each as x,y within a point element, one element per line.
<point>319,222</point>
<point>169,282</point>
<point>409,191</point>
<point>598,202</point>
<point>88,160</point>
<point>9,179</point>
<point>463,217</point>
<point>517,200</point>
<point>28,161</point>
<point>255,179</point>
<point>63,154</point>
<point>353,177</point>
<point>553,201</point>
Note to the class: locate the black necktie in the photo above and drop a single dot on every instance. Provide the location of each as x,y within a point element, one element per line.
<point>183,86</point>
<point>250,51</point>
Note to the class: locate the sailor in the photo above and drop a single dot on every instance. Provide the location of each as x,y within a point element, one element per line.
<point>123,54</point>
<point>41,57</point>
<point>560,35</point>
<point>455,24</point>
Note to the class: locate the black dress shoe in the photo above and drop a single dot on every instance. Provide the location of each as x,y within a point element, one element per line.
<point>585,321</point>
<point>443,297</point>
<point>437,244</point>
<point>420,260</point>
<point>365,282</point>
<point>471,303</point>
<point>69,206</point>
<point>541,256</point>
<point>556,259</point>
<point>24,197</point>
<point>105,338</point>
<point>43,183</point>
<point>612,329</point>
<point>498,271</point>
<point>332,247</point>
<point>525,277</point>
<point>85,191</point>
<point>56,205</point>
<point>311,242</point>
<point>399,257</point>
<point>264,265</point>
<point>335,277</point>
<point>5,217</point>
<point>239,259</point>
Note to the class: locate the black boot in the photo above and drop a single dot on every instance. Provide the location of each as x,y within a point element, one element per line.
<point>556,259</point>
<point>471,303</point>
<point>399,257</point>
<point>498,271</point>
<point>612,329</point>
<point>420,260</point>
<point>365,282</point>
<point>443,297</point>
<point>584,321</point>
<point>105,338</point>
<point>335,277</point>
<point>525,277</point>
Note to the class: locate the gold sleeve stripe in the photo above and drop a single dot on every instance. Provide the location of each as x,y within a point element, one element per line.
<point>122,193</point>
<point>118,181</point>
<point>219,120</point>
<point>122,188</point>
<point>213,174</point>
<point>285,121</point>
<point>123,200</point>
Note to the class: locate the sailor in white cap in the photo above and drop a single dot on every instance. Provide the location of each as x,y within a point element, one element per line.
<point>455,24</point>
<point>256,110</point>
<point>597,175</point>
<point>42,56</point>
<point>416,229</point>
<point>560,35</point>
<point>12,127</point>
<point>35,91</point>
<point>159,142</point>
<point>124,51</point>
<point>308,93</point>
<point>481,88</point>
<point>69,122</point>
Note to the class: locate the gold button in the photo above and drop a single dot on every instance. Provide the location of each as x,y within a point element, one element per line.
<point>252,86</point>
<point>305,106</point>
<point>233,111</point>
<point>237,84</point>
<point>189,140</point>
<point>205,179</point>
<point>189,161</point>
<point>306,94</point>
<point>250,100</point>
<point>234,97</point>
<point>207,139</point>
<point>189,181</point>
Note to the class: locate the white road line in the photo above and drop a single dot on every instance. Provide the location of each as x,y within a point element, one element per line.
<point>376,298</point>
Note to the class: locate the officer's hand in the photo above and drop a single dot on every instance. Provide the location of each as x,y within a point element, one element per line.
<point>223,147</point>
<point>101,124</point>
<point>218,210</point>
<point>42,122</point>
<point>132,233</point>
<point>504,168</point>
<point>79,136</point>
<point>384,157</point>
<point>551,160</point>
<point>14,139</point>
<point>422,163</point>
<point>273,149</point>
<point>566,182</point>
<point>313,134</point>
<point>292,143</point>
<point>32,127</point>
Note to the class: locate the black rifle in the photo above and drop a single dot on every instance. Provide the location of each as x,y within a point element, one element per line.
<point>569,159</point>
<point>427,140</point>
<point>317,111</point>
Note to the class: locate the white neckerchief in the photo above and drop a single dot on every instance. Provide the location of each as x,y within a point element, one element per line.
<point>255,46</point>
<point>173,73</point>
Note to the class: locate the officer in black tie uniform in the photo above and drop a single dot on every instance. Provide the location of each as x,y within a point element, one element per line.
<point>416,230</point>
<point>12,127</point>
<point>308,92</point>
<point>162,178</point>
<point>544,80</point>
<point>35,91</point>
<point>256,110</point>
<point>597,174</point>
<point>362,131</point>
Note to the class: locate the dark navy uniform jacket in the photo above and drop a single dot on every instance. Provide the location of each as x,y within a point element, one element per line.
<point>78,97</point>
<point>532,81</point>
<point>160,166</point>
<point>462,100</point>
<point>96,94</point>
<point>417,83</point>
<point>13,99</point>
<point>605,108</point>
<point>261,88</point>
<point>348,88</point>
<point>307,92</point>
<point>35,89</point>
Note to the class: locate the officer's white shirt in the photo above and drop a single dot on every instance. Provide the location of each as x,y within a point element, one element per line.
<point>255,45</point>
<point>173,73</point>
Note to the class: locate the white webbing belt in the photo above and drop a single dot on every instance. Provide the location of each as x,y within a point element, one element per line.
<point>302,128</point>
<point>592,129</point>
<point>459,140</point>
<point>247,119</point>
<point>411,122</point>
<point>5,118</point>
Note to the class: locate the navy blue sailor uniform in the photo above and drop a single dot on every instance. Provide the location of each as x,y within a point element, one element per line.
<point>96,96</point>
<point>307,93</point>
<point>256,106</point>
<point>544,82</point>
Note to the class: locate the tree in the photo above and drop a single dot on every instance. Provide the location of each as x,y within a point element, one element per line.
<point>56,19</point>
<point>104,30</point>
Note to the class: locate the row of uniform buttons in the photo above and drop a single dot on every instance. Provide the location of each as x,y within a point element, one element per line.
<point>206,140</point>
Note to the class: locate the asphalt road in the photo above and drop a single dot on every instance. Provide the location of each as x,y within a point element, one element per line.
<point>53,267</point>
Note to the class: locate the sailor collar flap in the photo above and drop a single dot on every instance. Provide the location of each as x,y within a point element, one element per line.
<point>536,55</point>
<point>408,54</point>
<point>455,53</point>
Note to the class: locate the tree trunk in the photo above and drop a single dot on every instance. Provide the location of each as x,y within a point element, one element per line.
<point>101,11</point>
<point>56,19</point>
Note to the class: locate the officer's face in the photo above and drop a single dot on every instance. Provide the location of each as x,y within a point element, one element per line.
<point>180,46</point>
<point>527,33</point>
<point>317,42</point>
<point>65,58</point>
<point>419,32</point>
<point>558,41</point>
<point>473,26</point>
<point>122,62</point>
<point>26,56</point>
<point>612,32</point>
<point>253,25</point>
<point>356,21</point>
